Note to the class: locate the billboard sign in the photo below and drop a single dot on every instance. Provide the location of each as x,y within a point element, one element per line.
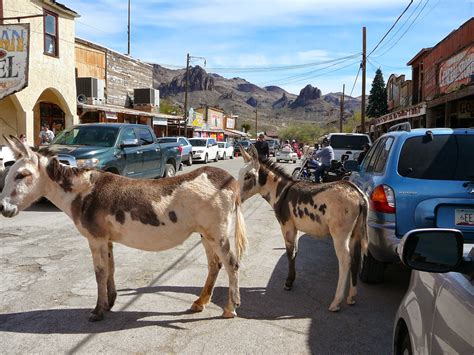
<point>14,56</point>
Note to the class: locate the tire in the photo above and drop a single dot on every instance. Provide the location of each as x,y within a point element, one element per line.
<point>295,173</point>
<point>278,160</point>
<point>206,159</point>
<point>190,161</point>
<point>232,156</point>
<point>224,156</point>
<point>404,347</point>
<point>294,161</point>
<point>371,270</point>
<point>170,170</point>
<point>216,159</point>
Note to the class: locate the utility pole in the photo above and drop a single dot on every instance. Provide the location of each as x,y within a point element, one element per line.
<point>128,51</point>
<point>256,121</point>
<point>342,107</point>
<point>186,98</point>
<point>364,58</point>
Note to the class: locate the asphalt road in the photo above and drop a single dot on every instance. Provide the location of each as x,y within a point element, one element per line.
<point>47,289</point>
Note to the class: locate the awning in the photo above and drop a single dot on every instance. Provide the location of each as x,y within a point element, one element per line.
<point>116,109</point>
<point>235,133</point>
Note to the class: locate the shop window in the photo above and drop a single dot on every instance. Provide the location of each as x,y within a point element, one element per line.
<point>51,34</point>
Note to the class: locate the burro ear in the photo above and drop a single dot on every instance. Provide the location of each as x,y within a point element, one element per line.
<point>245,155</point>
<point>18,148</point>
<point>253,152</point>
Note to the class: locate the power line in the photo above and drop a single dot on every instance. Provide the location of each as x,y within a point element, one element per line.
<point>355,81</point>
<point>390,29</point>
<point>404,33</point>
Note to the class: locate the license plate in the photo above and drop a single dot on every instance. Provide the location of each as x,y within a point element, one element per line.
<point>464,217</point>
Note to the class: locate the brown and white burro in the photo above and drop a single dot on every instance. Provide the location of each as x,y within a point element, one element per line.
<point>338,209</point>
<point>150,215</point>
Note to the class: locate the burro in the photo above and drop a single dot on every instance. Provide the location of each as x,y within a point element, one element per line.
<point>150,215</point>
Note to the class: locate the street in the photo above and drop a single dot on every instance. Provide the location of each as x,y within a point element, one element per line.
<point>48,287</point>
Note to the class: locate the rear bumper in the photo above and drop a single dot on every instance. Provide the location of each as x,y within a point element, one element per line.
<point>383,241</point>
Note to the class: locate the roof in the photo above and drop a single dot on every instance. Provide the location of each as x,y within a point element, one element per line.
<point>118,109</point>
<point>62,7</point>
<point>419,54</point>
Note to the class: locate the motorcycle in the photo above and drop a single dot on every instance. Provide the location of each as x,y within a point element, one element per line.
<point>338,170</point>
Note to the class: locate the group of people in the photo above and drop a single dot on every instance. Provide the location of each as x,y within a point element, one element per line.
<point>46,135</point>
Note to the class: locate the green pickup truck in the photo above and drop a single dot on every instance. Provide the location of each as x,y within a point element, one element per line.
<point>129,150</point>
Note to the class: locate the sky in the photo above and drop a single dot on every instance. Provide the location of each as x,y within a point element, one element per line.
<point>288,43</point>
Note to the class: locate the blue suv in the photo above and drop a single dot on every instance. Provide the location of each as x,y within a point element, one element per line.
<point>420,178</point>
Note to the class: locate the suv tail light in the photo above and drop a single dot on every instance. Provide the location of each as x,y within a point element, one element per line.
<point>180,149</point>
<point>382,199</point>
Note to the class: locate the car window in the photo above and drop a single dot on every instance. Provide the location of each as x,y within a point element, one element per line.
<point>369,161</point>
<point>348,141</point>
<point>183,141</point>
<point>221,145</point>
<point>198,142</point>
<point>145,136</point>
<point>128,133</point>
<point>438,157</point>
<point>383,156</point>
<point>212,141</point>
<point>166,140</point>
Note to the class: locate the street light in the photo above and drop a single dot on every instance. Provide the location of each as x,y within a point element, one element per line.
<point>188,59</point>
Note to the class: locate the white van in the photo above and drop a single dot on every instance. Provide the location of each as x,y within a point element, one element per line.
<point>350,144</point>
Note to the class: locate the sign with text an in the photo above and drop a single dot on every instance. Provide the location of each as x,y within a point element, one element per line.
<point>14,55</point>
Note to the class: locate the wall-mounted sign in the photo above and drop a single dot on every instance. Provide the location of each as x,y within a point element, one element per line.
<point>110,115</point>
<point>198,119</point>
<point>230,123</point>
<point>456,70</point>
<point>14,55</point>
<point>413,111</point>
<point>159,121</point>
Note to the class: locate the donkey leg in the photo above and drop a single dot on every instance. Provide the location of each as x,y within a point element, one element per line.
<point>222,249</point>
<point>214,265</point>
<point>99,250</point>
<point>341,245</point>
<point>355,248</point>
<point>289,234</point>
<point>111,291</point>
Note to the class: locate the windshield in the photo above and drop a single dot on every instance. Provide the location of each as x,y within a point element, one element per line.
<point>198,142</point>
<point>243,143</point>
<point>221,145</point>
<point>348,142</point>
<point>88,135</point>
<point>445,157</point>
<point>166,140</point>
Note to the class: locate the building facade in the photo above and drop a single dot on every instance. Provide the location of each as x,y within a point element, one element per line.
<point>50,97</point>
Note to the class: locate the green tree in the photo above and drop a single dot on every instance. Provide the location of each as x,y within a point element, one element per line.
<point>307,133</point>
<point>378,97</point>
<point>246,127</point>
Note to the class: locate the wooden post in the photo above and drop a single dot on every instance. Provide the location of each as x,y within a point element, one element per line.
<point>342,107</point>
<point>364,58</point>
<point>186,98</point>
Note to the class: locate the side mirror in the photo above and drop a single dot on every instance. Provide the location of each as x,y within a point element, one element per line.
<point>434,250</point>
<point>129,143</point>
<point>209,145</point>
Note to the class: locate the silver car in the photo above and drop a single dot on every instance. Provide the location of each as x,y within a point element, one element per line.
<point>436,316</point>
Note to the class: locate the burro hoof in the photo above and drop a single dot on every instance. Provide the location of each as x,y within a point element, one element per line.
<point>229,314</point>
<point>350,301</point>
<point>96,317</point>
<point>197,307</point>
<point>288,287</point>
<point>334,308</point>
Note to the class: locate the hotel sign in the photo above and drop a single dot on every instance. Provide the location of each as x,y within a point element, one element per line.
<point>14,55</point>
<point>412,111</point>
<point>456,71</point>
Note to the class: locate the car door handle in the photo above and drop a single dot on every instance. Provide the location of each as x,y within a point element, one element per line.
<point>139,152</point>
<point>157,149</point>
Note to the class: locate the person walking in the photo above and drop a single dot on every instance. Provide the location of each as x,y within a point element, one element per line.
<point>262,147</point>
<point>46,135</point>
<point>325,156</point>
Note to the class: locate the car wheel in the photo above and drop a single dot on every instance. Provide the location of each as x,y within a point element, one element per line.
<point>224,157</point>
<point>371,270</point>
<point>278,160</point>
<point>216,158</point>
<point>190,161</point>
<point>404,347</point>
<point>294,161</point>
<point>170,170</point>
<point>232,156</point>
<point>206,159</point>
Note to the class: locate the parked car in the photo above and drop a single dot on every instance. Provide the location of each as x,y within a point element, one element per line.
<point>121,148</point>
<point>6,160</point>
<point>286,154</point>
<point>225,150</point>
<point>437,312</point>
<point>421,178</point>
<point>350,144</point>
<point>204,149</point>
<point>184,147</point>
<point>239,144</point>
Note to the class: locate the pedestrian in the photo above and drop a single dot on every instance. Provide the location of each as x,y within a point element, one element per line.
<point>365,149</point>
<point>22,138</point>
<point>325,156</point>
<point>262,147</point>
<point>46,135</point>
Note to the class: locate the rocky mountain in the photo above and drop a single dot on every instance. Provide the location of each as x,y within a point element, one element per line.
<point>275,107</point>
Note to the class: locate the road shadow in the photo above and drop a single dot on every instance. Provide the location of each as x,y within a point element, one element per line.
<point>43,205</point>
<point>360,328</point>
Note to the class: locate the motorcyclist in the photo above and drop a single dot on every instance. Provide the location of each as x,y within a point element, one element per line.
<point>325,156</point>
